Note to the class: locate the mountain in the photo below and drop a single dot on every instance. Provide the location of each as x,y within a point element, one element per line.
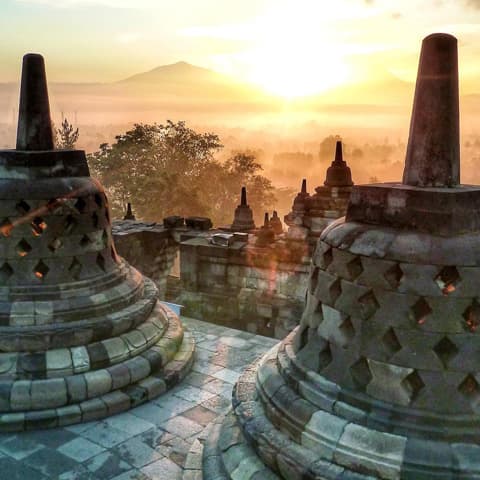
<point>176,72</point>
<point>190,82</point>
<point>182,90</point>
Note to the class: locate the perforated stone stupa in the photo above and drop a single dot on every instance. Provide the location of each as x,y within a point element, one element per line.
<point>381,379</point>
<point>82,335</point>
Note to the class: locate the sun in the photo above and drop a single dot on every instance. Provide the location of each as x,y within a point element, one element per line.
<point>294,55</point>
<point>295,73</point>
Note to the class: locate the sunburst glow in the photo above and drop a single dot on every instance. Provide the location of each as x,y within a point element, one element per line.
<point>294,55</point>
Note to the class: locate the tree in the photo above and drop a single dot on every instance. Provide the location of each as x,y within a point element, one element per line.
<point>66,136</point>
<point>171,169</point>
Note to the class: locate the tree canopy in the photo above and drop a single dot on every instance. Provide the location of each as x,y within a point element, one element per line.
<point>171,169</point>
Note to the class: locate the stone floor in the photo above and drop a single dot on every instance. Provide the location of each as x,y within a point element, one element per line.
<point>151,441</point>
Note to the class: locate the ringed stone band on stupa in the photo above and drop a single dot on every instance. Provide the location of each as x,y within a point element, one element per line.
<point>381,380</point>
<point>82,335</point>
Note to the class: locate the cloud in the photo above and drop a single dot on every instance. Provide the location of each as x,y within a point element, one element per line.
<point>473,4</point>
<point>224,32</point>
<point>106,3</point>
<point>459,28</point>
<point>126,38</point>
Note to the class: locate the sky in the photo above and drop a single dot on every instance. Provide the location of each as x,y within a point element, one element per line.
<point>288,47</point>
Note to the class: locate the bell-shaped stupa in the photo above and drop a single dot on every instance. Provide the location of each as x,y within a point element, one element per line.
<point>338,173</point>
<point>381,380</point>
<point>82,335</point>
<point>243,218</point>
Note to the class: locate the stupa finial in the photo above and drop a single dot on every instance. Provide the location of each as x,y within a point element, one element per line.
<point>243,200</point>
<point>34,130</point>
<point>338,153</point>
<point>433,152</point>
<point>304,186</point>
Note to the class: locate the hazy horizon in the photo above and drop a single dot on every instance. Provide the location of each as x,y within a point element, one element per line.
<point>289,48</point>
<point>273,77</point>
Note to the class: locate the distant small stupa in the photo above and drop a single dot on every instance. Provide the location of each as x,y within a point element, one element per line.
<point>129,215</point>
<point>276,223</point>
<point>339,174</point>
<point>243,218</point>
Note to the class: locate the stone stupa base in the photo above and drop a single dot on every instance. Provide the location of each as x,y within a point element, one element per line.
<point>275,433</point>
<point>88,382</point>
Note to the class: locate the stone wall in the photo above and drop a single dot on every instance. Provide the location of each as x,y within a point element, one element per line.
<point>257,289</point>
<point>260,290</point>
<point>149,247</point>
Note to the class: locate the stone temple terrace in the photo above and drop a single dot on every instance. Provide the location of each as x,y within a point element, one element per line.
<point>342,346</point>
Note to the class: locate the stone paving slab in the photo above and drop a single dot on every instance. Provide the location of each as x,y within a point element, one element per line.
<point>150,442</point>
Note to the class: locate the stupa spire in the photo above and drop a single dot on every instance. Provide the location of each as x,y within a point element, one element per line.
<point>433,152</point>
<point>243,200</point>
<point>34,130</point>
<point>266,220</point>
<point>338,153</point>
<point>304,186</point>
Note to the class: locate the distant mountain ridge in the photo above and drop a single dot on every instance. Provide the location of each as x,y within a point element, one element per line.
<point>174,71</point>
<point>187,81</point>
<point>189,91</point>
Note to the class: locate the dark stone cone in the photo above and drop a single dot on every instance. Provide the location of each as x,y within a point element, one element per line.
<point>243,200</point>
<point>339,173</point>
<point>129,215</point>
<point>34,122</point>
<point>433,152</point>
<point>338,153</point>
<point>266,221</point>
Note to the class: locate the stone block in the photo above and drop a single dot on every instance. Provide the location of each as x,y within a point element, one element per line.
<point>68,415</point>
<point>12,422</point>
<point>153,386</point>
<point>467,456</point>
<point>49,393</point>
<point>20,395</point>
<point>5,394</point>
<point>80,359</point>
<point>377,453</point>
<point>403,207</point>
<point>322,433</point>
<point>93,409</point>
<point>76,388</point>
<point>135,341</point>
<point>116,402</point>
<point>59,362</point>
<point>422,456</point>
<point>198,223</point>
<point>139,368</point>
<point>98,382</point>
<point>120,376</point>
<point>316,397</point>
<point>116,349</point>
<point>41,419</point>
<point>174,221</point>
<point>8,363</point>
